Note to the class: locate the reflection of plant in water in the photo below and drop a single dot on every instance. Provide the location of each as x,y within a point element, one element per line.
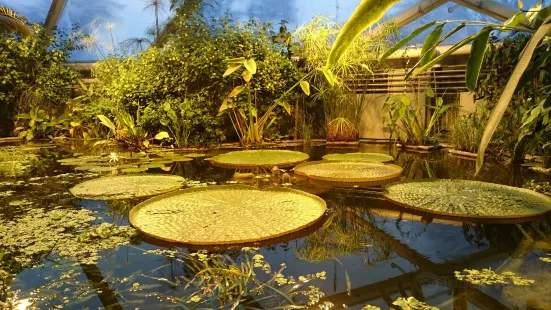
<point>490,277</point>
<point>220,279</point>
<point>341,237</point>
<point>15,162</point>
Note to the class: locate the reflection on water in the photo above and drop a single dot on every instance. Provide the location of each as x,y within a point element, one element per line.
<point>371,251</point>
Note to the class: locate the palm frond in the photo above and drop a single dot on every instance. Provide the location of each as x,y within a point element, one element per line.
<point>11,22</point>
<point>159,4</point>
<point>136,44</point>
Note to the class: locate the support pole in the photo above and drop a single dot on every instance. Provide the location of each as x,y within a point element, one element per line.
<point>54,14</point>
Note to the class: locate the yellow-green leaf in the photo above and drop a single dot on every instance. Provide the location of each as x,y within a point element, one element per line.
<point>247,75</point>
<point>367,13</point>
<point>520,4</point>
<point>231,69</point>
<point>250,65</point>
<point>237,90</point>
<point>107,122</point>
<point>428,49</point>
<point>474,64</point>
<point>510,89</point>
<point>405,40</point>
<point>162,135</point>
<point>328,75</point>
<point>513,21</point>
<point>238,60</point>
<point>285,105</point>
<point>305,87</point>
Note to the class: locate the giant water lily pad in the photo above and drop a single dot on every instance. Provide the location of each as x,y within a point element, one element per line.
<point>348,171</point>
<point>373,157</point>
<point>257,158</point>
<point>472,199</point>
<point>221,215</point>
<point>128,186</point>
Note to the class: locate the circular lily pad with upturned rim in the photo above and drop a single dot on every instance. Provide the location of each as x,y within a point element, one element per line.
<point>127,186</point>
<point>258,158</point>
<point>468,199</point>
<point>221,215</point>
<point>348,171</point>
<point>372,157</point>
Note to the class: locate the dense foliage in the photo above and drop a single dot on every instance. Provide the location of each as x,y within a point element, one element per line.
<point>186,75</point>
<point>33,74</point>
<point>525,127</point>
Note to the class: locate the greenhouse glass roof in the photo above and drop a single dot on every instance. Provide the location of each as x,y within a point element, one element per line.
<point>114,21</point>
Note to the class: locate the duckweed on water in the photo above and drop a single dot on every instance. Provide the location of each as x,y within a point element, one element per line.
<point>490,277</point>
<point>412,304</point>
<point>540,187</point>
<point>65,232</point>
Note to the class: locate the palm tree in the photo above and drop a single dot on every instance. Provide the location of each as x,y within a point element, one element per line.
<point>136,44</point>
<point>11,22</point>
<point>157,5</point>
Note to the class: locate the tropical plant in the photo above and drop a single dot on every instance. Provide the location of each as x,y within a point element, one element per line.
<point>156,5</point>
<point>466,131</point>
<point>342,105</point>
<point>180,123</point>
<point>33,73</point>
<point>11,22</point>
<point>187,72</point>
<point>406,119</point>
<point>36,124</point>
<point>247,124</point>
<point>536,21</point>
<point>125,130</point>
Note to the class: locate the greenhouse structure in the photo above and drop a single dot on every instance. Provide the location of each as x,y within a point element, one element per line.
<point>276,154</point>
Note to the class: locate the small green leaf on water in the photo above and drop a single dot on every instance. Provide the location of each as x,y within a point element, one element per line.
<point>162,135</point>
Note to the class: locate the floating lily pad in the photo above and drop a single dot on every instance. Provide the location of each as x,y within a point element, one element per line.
<point>348,171</point>
<point>256,158</point>
<point>472,199</point>
<point>219,215</point>
<point>134,170</point>
<point>130,186</point>
<point>372,157</point>
<point>195,155</point>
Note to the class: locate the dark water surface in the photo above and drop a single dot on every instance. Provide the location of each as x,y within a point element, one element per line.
<point>372,252</point>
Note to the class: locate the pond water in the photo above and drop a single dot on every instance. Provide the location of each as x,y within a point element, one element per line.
<point>371,251</point>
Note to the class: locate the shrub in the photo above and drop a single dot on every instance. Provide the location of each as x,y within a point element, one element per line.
<point>187,74</point>
<point>33,74</point>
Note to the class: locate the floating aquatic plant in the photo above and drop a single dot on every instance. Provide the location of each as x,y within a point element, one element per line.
<point>490,277</point>
<point>374,157</point>
<point>256,158</point>
<point>464,198</point>
<point>348,171</point>
<point>14,162</point>
<point>540,187</point>
<point>412,304</point>
<point>66,232</point>
<point>125,187</point>
<point>219,215</point>
<point>546,259</point>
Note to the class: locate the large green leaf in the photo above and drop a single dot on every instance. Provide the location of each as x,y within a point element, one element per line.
<point>474,64</point>
<point>162,135</point>
<point>250,65</point>
<point>231,69</point>
<point>305,87</point>
<point>509,89</point>
<point>107,122</point>
<point>237,90</point>
<point>405,40</point>
<point>452,49</point>
<point>428,47</point>
<point>367,13</point>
